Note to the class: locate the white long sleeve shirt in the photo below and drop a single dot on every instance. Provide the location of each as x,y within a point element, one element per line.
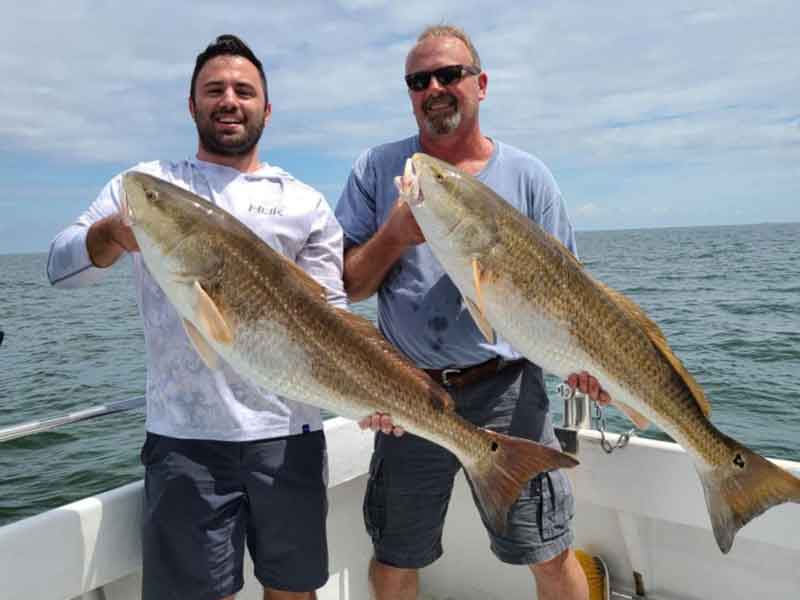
<point>185,399</point>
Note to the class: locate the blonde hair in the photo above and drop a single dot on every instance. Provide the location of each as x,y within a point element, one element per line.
<point>451,31</point>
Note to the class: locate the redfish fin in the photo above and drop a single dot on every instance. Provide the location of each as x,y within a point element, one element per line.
<point>637,418</point>
<point>659,341</point>
<point>498,480</point>
<point>737,493</point>
<point>212,323</point>
<point>477,310</point>
<point>368,332</point>
<point>206,352</point>
<point>480,320</point>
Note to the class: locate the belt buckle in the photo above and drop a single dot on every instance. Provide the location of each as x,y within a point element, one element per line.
<point>446,373</point>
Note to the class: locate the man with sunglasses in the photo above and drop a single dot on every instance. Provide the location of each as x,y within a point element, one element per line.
<point>421,312</point>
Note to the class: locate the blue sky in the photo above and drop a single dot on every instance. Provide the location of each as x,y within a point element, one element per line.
<point>649,114</point>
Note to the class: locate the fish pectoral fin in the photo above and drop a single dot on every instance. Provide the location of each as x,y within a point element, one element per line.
<point>209,318</point>
<point>476,309</point>
<point>477,273</point>
<point>206,352</point>
<point>480,321</point>
<point>635,416</point>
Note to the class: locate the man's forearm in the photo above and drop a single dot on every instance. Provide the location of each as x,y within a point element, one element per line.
<point>366,266</point>
<point>101,244</point>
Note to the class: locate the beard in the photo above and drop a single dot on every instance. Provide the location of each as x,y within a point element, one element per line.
<point>229,145</point>
<point>441,122</point>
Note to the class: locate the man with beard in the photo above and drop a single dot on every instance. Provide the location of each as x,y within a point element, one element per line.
<point>226,463</point>
<point>421,312</point>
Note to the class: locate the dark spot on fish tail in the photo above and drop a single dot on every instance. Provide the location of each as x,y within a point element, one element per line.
<point>414,306</point>
<point>436,347</point>
<point>494,446</point>
<point>739,461</point>
<point>438,323</point>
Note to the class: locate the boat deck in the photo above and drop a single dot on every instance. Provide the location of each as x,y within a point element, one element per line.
<point>641,509</point>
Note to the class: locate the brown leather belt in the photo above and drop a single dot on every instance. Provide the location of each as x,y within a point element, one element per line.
<point>461,377</point>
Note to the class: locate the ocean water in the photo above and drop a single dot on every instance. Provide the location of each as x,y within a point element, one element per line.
<point>727,298</point>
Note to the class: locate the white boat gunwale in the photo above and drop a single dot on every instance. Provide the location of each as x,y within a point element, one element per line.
<point>641,509</point>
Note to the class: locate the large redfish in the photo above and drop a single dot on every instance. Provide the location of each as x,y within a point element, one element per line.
<point>519,281</point>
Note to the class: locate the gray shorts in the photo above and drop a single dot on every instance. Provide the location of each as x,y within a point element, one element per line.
<point>204,499</point>
<point>411,481</point>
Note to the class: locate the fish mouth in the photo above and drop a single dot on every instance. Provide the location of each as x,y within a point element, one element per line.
<point>126,210</point>
<point>410,189</point>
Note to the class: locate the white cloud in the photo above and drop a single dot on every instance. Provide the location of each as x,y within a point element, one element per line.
<point>562,74</point>
<point>585,87</point>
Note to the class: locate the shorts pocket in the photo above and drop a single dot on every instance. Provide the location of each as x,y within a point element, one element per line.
<point>557,504</point>
<point>375,500</point>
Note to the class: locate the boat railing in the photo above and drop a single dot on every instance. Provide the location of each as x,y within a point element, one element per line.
<point>577,416</point>
<point>32,427</point>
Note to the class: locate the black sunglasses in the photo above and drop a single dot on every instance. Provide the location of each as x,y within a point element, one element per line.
<point>445,75</point>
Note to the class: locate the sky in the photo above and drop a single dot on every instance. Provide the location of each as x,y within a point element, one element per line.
<point>649,114</point>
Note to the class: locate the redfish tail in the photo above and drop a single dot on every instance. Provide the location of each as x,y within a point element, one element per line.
<point>738,492</point>
<point>498,480</point>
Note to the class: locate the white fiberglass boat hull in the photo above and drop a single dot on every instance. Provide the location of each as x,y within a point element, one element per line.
<point>641,509</point>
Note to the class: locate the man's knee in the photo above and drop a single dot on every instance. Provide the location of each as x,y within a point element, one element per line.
<point>270,594</point>
<point>386,579</point>
<point>553,568</point>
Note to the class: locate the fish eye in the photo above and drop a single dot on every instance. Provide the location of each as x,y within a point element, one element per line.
<point>151,195</point>
<point>439,177</point>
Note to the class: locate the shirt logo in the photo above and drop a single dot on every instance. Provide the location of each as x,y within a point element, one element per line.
<point>265,210</point>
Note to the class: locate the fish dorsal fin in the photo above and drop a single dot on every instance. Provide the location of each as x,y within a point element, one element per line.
<point>660,342</point>
<point>638,419</point>
<point>206,352</point>
<point>304,280</point>
<point>368,331</point>
<point>364,328</point>
<point>209,319</point>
